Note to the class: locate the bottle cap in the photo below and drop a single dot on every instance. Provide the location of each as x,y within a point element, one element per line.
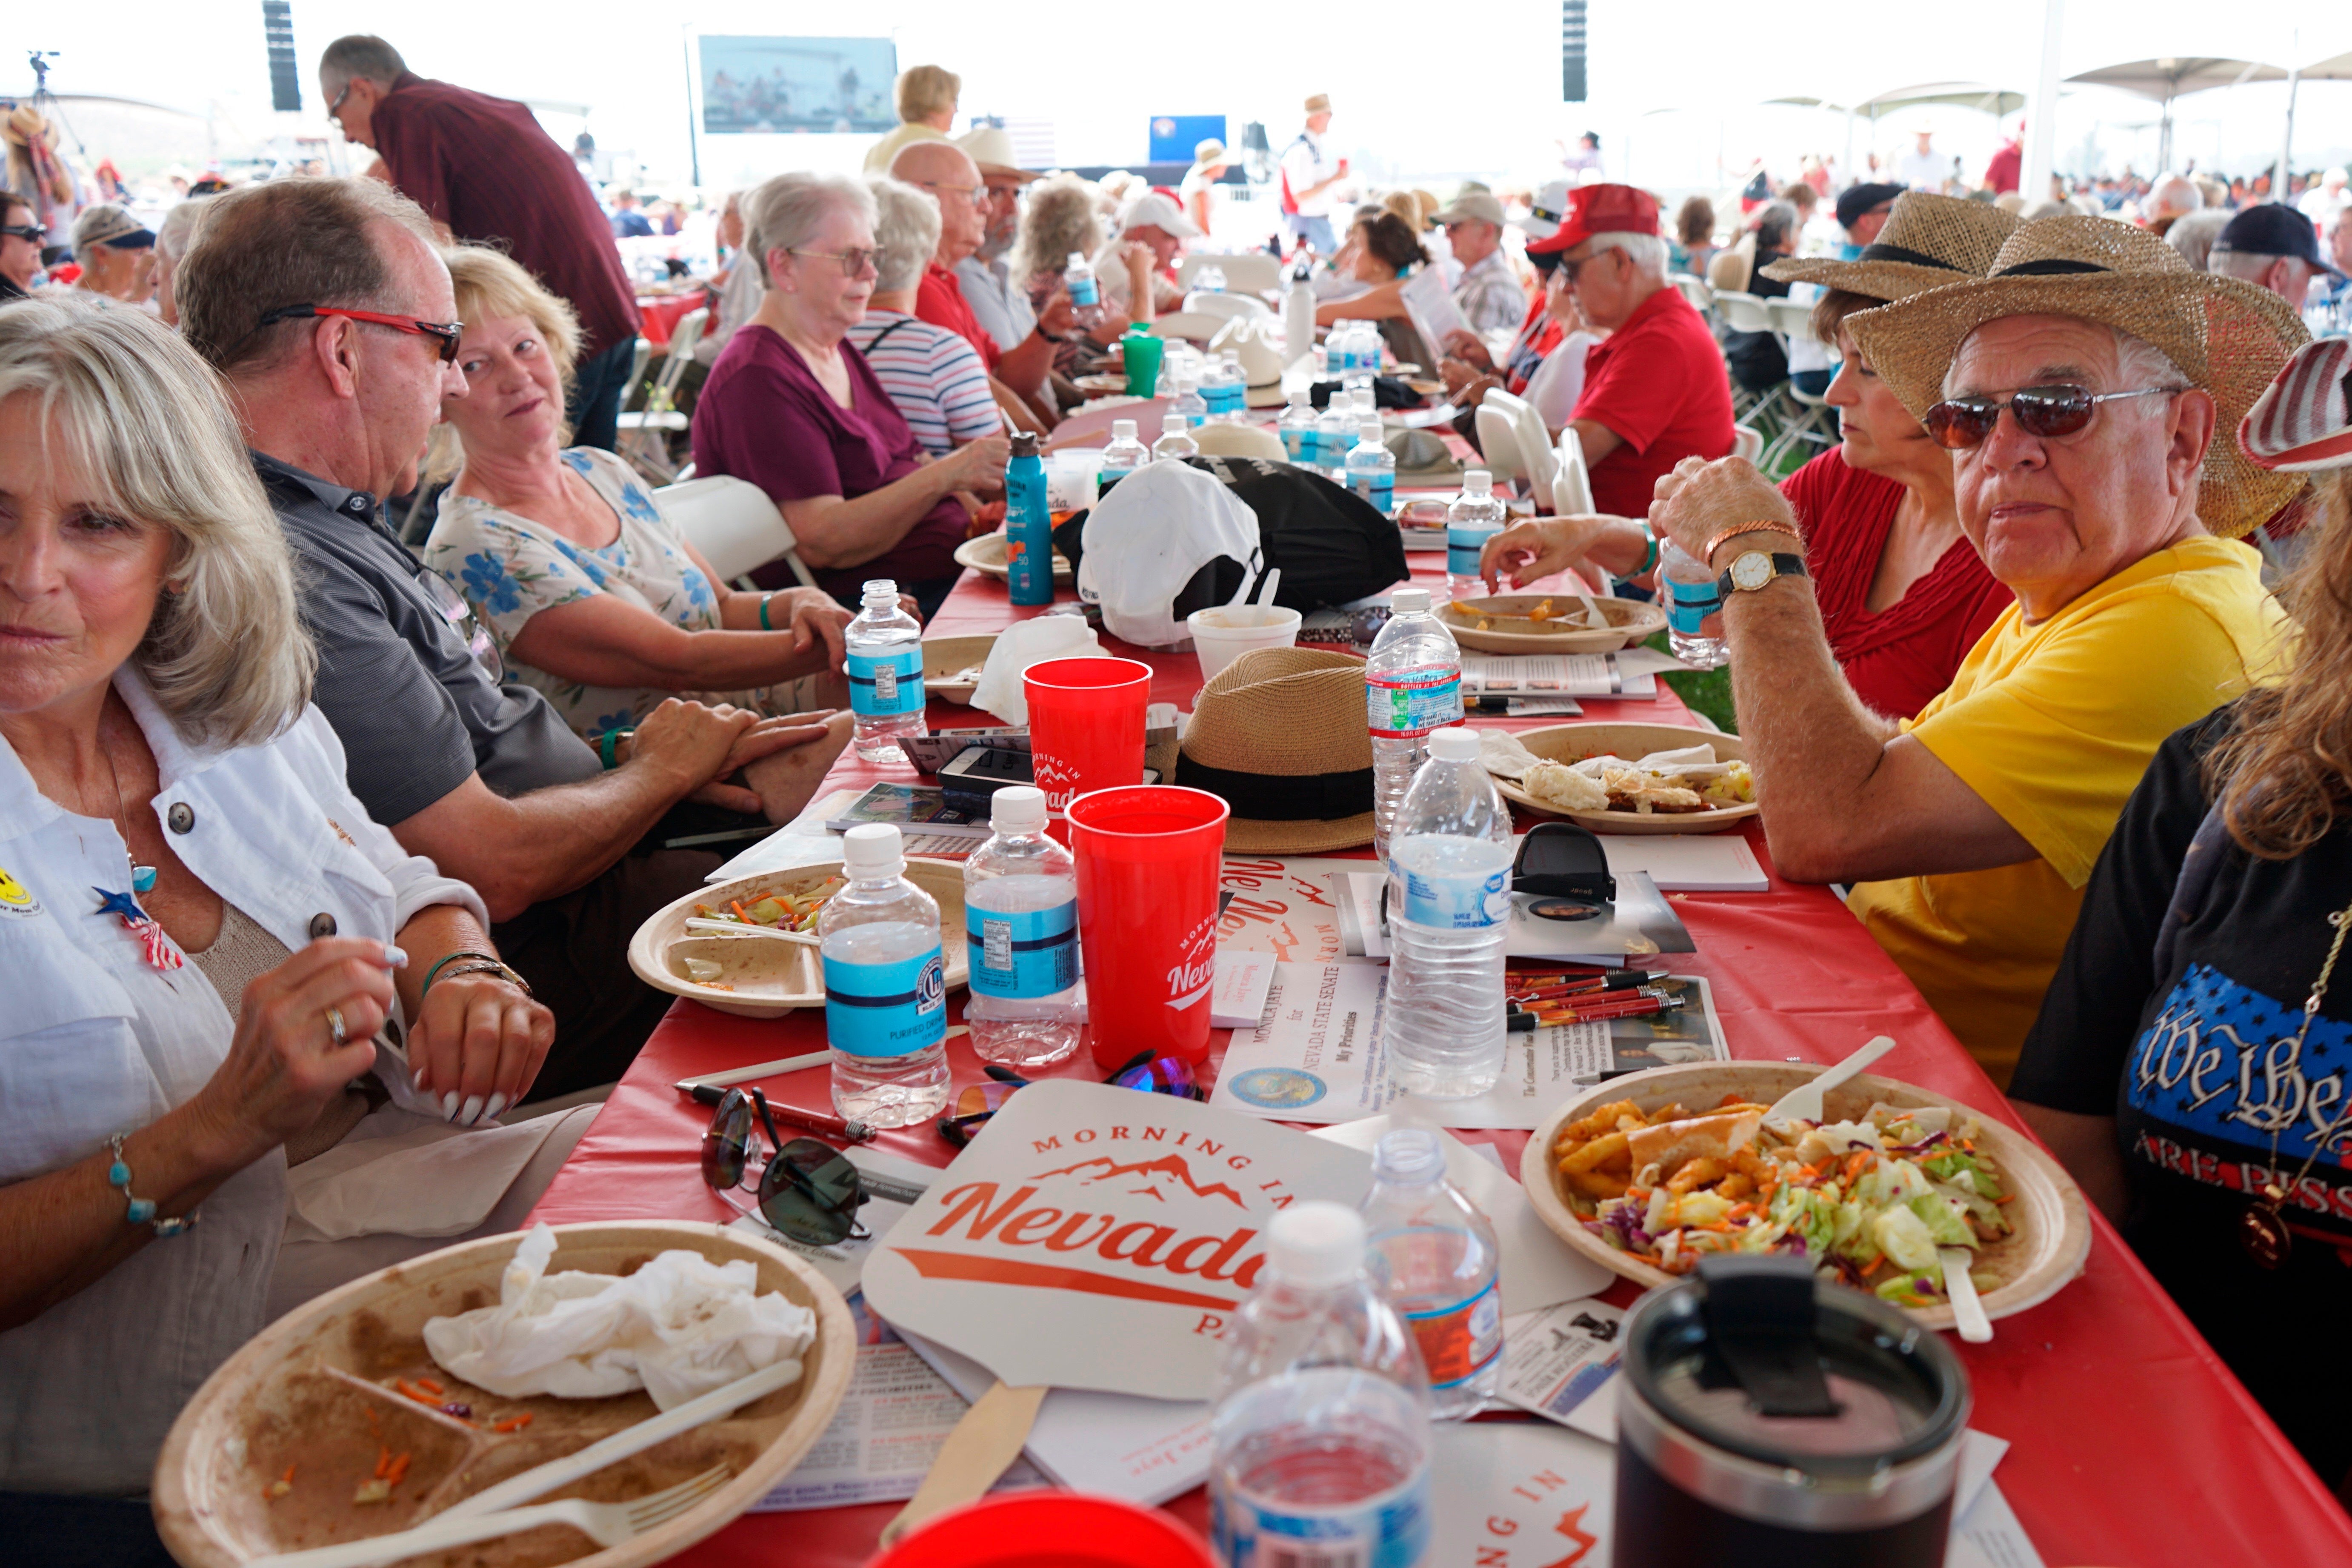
<point>1315,1245</point>
<point>1172,423</point>
<point>1455,743</point>
<point>1370,430</point>
<point>1024,443</point>
<point>1477,482</point>
<point>1018,808</point>
<point>882,591</point>
<point>1122,429</point>
<point>1410,602</point>
<point>1413,1154</point>
<point>1301,398</point>
<point>872,848</point>
<point>1077,258</point>
<point>1185,384</point>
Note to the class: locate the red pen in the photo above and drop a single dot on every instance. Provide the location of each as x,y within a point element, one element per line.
<point>1647,1004</point>
<point>818,1121</point>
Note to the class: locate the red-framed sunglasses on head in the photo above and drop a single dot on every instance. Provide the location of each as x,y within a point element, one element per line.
<point>447,331</point>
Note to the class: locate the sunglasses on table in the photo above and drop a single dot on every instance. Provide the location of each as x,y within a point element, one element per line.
<point>447,332</point>
<point>807,1190</point>
<point>1144,1071</point>
<point>1960,423</point>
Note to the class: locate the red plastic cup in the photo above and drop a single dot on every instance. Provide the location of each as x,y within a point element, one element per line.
<point>1049,1530</point>
<point>1085,726</point>
<point>1148,861</point>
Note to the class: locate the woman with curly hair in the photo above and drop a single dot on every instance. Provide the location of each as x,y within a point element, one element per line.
<point>1059,216</point>
<point>1380,253</point>
<point>2192,1062</point>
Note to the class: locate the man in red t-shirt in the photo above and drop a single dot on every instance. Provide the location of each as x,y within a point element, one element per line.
<point>946,173</point>
<point>483,169</point>
<point>1655,390</point>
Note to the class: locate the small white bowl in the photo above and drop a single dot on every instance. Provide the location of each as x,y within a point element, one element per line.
<point>1223,635</point>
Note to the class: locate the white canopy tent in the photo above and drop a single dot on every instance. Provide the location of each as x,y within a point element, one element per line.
<point>2167,76</point>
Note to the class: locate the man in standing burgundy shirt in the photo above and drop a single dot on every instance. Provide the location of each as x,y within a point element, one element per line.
<point>1654,388</point>
<point>482,169</point>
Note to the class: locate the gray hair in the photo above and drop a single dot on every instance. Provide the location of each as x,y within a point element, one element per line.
<point>150,429</point>
<point>2193,234</point>
<point>785,213</point>
<point>362,55</point>
<point>174,235</point>
<point>1647,252</point>
<point>2173,193</point>
<point>2249,265</point>
<point>1059,215</point>
<point>906,233</point>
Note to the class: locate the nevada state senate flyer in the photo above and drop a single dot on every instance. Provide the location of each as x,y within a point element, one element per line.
<point>1085,1221</point>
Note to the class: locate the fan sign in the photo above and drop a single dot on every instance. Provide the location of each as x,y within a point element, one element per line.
<point>1087,1222</point>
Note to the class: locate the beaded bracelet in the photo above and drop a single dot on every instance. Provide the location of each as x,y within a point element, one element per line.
<point>141,1211</point>
<point>494,967</point>
<point>450,958</point>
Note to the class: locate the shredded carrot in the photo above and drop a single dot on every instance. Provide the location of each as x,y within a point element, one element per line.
<point>2006,1198</point>
<point>1723,1224</point>
<point>383,1463</point>
<point>431,1387</point>
<point>736,905</point>
<point>399,1471</point>
<point>1855,1165</point>
<point>376,1427</point>
<point>513,1422</point>
<point>1738,1209</point>
<point>1875,1264</point>
<point>288,1476</point>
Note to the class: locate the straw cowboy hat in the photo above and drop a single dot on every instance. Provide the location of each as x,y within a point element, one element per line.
<point>1279,736</point>
<point>2228,337</point>
<point>1929,241</point>
<point>991,147</point>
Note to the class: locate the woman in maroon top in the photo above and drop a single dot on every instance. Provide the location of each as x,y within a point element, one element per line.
<point>798,411</point>
<point>1903,594</point>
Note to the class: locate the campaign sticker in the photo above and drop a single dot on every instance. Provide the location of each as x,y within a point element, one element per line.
<point>1278,1088</point>
<point>16,898</point>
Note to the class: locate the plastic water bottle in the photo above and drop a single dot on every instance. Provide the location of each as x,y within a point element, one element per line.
<point>1449,859</point>
<point>1208,280</point>
<point>886,991</point>
<point>885,645</point>
<point>1334,433</point>
<point>1233,388</point>
<point>1321,1441</point>
<point>1694,610</point>
<point>1121,457</point>
<point>1187,405</point>
<point>1435,1255</point>
<point>1297,428</point>
<point>1298,321</point>
<point>1371,467</point>
<point>1021,928</point>
<point>1084,290</point>
<point>1474,517</point>
<point>1413,687</point>
<point>1028,525</point>
<point>1175,438</point>
<point>1215,391</point>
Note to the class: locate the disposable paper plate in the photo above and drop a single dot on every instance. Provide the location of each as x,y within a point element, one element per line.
<point>946,656</point>
<point>312,1395</point>
<point>2047,1249</point>
<point>1630,622</point>
<point>1574,742</point>
<point>775,976</point>
<point>985,556</point>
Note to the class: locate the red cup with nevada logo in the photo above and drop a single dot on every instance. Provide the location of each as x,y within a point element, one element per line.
<point>1149,858</point>
<point>1085,727</point>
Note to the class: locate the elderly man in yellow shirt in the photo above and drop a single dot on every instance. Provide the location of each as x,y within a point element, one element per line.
<point>2090,391</point>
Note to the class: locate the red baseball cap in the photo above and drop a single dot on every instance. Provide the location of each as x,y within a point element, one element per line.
<point>1601,209</point>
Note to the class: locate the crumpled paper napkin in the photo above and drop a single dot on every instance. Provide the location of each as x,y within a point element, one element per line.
<point>678,1328</point>
<point>1024,643</point>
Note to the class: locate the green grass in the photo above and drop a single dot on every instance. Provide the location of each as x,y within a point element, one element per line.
<point>1706,691</point>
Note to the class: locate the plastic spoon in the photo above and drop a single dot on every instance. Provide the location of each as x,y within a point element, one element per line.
<point>1804,1103</point>
<point>1968,1312</point>
<point>740,928</point>
<point>1267,586</point>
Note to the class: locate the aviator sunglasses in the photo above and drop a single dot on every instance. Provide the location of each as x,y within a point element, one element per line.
<point>808,1191</point>
<point>976,1103</point>
<point>1960,423</point>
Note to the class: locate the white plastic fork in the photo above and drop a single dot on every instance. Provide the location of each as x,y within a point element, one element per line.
<point>606,1523</point>
<point>1804,1103</point>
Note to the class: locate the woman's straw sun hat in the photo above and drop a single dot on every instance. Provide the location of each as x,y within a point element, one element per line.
<point>1929,241</point>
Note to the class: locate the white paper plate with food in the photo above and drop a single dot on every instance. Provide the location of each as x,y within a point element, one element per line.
<point>952,666</point>
<point>336,1423</point>
<point>689,949</point>
<point>1550,623</point>
<point>1625,778</point>
<point>985,556</point>
<point>1644,1174</point>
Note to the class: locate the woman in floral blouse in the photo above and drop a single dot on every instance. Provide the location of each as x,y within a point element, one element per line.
<point>593,595</point>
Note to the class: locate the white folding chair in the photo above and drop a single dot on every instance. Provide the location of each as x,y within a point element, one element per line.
<point>1814,420</point>
<point>1250,272</point>
<point>1693,289</point>
<point>1747,442</point>
<point>734,525</point>
<point>645,432</point>
<point>1498,442</point>
<point>1571,486</point>
<point>1747,313</point>
<point>1535,445</point>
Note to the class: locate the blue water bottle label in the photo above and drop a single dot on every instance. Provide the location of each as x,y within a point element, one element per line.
<point>1023,953</point>
<point>1387,1530</point>
<point>1409,703</point>
<point>1454,903</point>
<point>1028,534</point>
<point>1463,545</point>
<point>1299,446</point>
<point>1084,294</point>
<point>1689,604</point>
<point>1379,488</point>
<point>892,1009</point>
<point>882,684</point>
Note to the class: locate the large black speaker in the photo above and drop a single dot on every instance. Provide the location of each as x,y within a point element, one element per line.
<point>285,79</point>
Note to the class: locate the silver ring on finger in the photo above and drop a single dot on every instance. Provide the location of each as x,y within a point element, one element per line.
<point>336,1027</point>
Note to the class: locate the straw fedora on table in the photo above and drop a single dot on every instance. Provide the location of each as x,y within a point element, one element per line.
<point>1929,241</point>
<point>1280,735</point>
<point>2228,337</point>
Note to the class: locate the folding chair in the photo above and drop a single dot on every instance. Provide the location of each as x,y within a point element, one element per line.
<point>645,431</point>
<point>1693,289</point>
<point>1249,272</point>
<point>734,525</point>
<point>1747,442</point>
<point>1814,420</point>
<point>1571,486</point>
<point>1747,313</point>
<point>1535,447</point>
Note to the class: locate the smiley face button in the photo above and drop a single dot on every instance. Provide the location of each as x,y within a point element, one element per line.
<point>16,898</point>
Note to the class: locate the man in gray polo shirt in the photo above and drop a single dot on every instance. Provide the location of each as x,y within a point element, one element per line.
<point>480,774</point>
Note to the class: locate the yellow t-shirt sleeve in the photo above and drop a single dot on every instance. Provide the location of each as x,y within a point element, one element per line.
<point>2058,745</point>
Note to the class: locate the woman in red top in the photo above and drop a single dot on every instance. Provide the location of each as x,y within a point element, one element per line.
<point>1903,594</point>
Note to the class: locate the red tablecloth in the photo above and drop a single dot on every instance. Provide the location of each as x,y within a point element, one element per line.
<point>661,312</point>
<point>2131,1444</point>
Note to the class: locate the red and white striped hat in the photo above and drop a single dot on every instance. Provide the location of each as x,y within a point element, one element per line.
<point>2302,421</point>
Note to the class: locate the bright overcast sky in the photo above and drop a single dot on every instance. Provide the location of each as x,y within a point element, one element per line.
<point>1417,95</point>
